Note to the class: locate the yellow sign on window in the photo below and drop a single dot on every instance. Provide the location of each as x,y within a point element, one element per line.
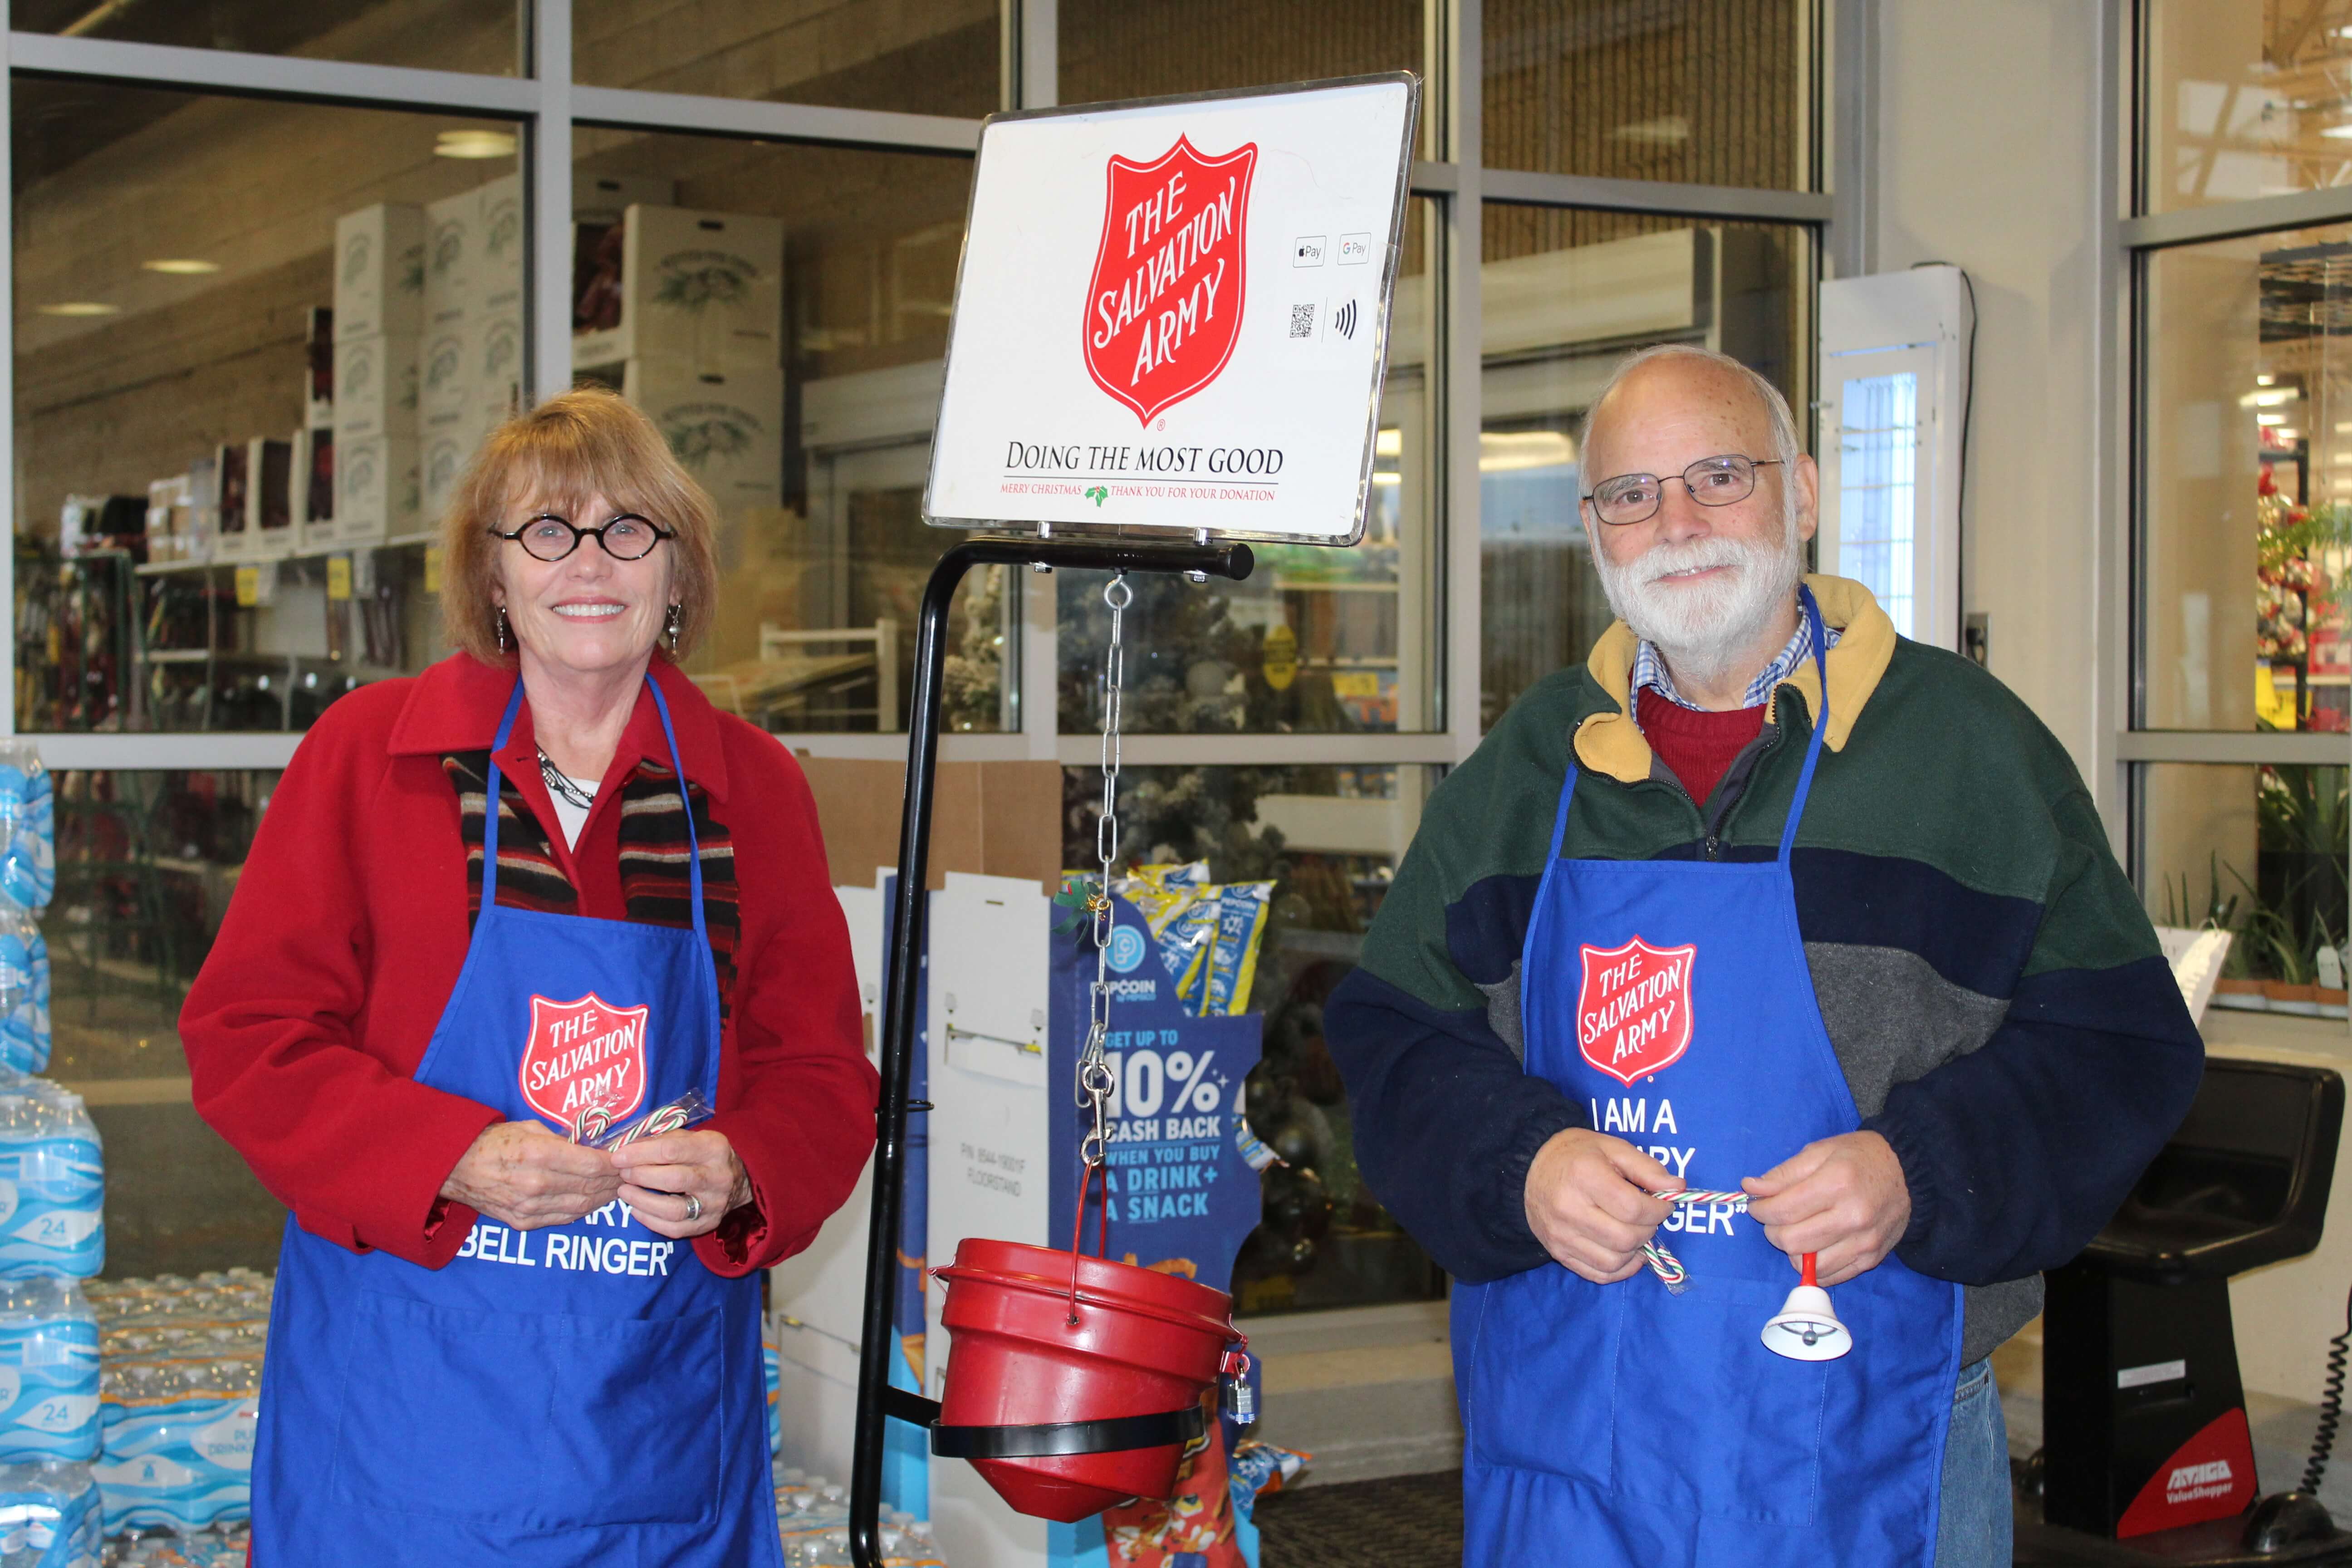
<point>339,577</point>
<point>432,568</point>
<point>248,587</point>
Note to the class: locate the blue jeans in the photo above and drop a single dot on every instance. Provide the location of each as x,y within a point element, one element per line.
<point>1973,1528</point>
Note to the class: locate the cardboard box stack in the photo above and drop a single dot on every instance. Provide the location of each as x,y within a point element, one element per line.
<point>682,311</point>
<point>470,375</point>
<point>379,322</point>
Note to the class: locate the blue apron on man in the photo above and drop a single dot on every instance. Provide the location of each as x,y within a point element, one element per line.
<point>1622,1423</point>
<point>588,1393</point>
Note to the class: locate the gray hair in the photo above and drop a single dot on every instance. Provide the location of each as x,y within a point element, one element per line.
<point>1783,423</point>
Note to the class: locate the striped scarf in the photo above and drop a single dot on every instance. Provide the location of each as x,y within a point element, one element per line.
<point>655,885</point>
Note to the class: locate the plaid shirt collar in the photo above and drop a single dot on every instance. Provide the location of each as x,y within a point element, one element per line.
<point>1650,670</point>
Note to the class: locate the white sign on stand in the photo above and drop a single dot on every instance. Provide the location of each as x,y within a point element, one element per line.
<point>1172,315</point>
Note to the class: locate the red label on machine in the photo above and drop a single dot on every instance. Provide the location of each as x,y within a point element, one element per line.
<point>1634,1013</point>
<point>585,1061</point>
<point>1165,305</point>
<point>2211,1476</point>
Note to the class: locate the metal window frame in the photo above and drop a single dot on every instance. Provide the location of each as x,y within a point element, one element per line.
<point>2123,751</point>
<point>547,104</point>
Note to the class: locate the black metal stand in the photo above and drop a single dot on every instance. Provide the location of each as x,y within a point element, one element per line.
<point>877,1400</point>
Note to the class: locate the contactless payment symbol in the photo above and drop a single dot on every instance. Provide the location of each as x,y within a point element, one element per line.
<point>1633,1011</point>
<point>1126,949</point>
<point>583,1066</point>
<point>1164,309</point>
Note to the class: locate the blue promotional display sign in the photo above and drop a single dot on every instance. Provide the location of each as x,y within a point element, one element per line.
<point>1182,1199</point>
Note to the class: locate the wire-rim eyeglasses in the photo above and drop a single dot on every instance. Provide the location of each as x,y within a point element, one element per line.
<point>1723,480</point>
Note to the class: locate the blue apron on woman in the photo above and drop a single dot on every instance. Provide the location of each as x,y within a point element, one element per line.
<point>1622,1423</point>
<point>588,1393</point>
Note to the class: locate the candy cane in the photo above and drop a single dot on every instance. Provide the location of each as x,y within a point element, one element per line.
<point>669,1119</point>
<point>1665,1265</point>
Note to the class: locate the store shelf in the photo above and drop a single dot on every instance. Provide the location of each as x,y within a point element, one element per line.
<point>398,542</point>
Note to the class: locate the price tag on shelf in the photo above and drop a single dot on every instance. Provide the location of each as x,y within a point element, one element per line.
<point>248,587</point>
<point>432,568</point>
<point>339,577</point>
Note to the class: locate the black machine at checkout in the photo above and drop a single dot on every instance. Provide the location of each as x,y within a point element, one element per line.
<point>2146,1455</point>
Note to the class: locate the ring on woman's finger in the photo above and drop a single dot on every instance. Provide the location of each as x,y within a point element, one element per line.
<point>693,1208</point>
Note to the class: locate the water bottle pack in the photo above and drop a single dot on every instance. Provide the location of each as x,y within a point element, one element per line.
<point>49,1516</point>
<point>52,1183</point>
<point>49,1372</point>
<point>180,1383</point>
<point>812,1518</point>
<point>224,1548</point>
<point>178,1442</point>
<point>24,993</point>
<point>28,829</point>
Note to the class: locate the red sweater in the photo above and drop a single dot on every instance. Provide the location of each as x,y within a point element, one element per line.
<point>349,926</point>
<point>1698,747</point>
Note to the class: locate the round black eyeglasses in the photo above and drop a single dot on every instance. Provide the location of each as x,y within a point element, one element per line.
<point>628,537</point>
<point>1711,481</point>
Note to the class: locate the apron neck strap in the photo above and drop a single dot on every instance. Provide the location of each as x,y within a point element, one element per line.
<point>1812,613</point>
<point>677,770</point>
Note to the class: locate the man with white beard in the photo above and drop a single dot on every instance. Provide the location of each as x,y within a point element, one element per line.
<point>1765,940</point>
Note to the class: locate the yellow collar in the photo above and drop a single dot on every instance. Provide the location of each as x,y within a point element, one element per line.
<point>1611,743</point>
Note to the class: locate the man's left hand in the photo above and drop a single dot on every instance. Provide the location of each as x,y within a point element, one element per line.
<point>1842,1199</point>
<point>659,1175</point>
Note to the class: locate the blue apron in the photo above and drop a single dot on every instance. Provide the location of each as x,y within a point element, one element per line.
<point>1620,1424</point>
<point>588,1393</point>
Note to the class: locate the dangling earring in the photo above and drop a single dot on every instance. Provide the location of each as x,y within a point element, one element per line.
<point>673,631</point>
<point>502,629</point>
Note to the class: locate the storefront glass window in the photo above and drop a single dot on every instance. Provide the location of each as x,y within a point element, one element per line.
<point>2241,100</point>
<point>1318,639</point>
<point>1565,294</point>
<point>938,57</point>
<point>221,404</point>
<point>146,862</point>
<point>817,446</point>
<point>2260,851</point>
<point>2245,530</point>
<point>1117,49</point>
<point>439,35</point>
<point>1716,94</point>
<point>1328,838</point>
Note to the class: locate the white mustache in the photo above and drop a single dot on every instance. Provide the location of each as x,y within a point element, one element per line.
<point>1663,560</point>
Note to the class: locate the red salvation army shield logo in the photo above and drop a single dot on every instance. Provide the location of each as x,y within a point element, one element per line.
<point>1634,1012</point>
<point>1164,309</point>
<point>584,1057</point>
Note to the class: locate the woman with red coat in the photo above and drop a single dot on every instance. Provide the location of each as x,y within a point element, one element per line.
<point>494,1340</point>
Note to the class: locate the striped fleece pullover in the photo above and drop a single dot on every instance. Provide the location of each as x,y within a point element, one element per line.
<point>1991,985</point>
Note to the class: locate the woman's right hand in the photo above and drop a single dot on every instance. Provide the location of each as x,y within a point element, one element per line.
<point>521,1175</point>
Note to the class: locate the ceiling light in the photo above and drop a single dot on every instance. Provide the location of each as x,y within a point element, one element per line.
<point>2265,381</point>
<point>181,267</point>
<point>2286,434</point>
<point>1387,477</point>
<point>80,308</point>
<point>474,144</point>
<point>2338,132</point>
<point>1390,443</point>
<point>2271,398</point>
<point>2270,419</point>
<point>1501,451</point>
<point>1666,131</point>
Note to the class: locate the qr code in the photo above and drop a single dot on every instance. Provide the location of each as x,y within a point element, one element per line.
<point>1302,321</point>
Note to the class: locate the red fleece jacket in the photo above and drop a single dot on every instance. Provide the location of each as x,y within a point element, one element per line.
<point>347,928</point>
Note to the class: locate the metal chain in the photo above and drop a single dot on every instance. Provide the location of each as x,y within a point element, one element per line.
<point>1095,1081</point>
